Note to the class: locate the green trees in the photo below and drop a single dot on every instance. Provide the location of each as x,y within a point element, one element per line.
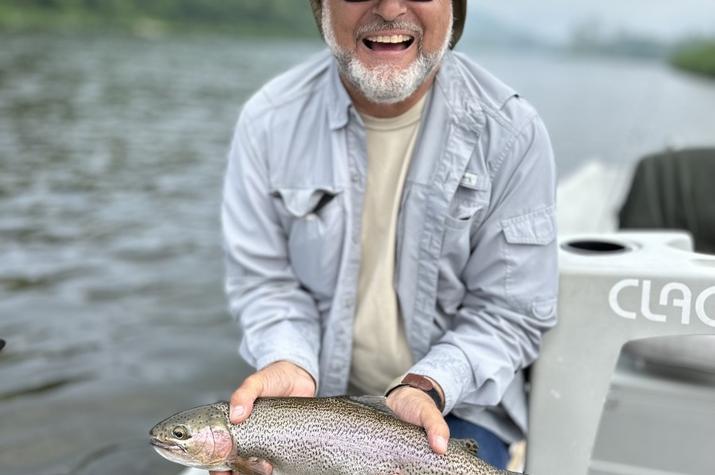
<point>697,57</point>
<point>286,17</point>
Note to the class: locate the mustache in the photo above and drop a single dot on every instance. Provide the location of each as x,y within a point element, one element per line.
<point>389,25</point>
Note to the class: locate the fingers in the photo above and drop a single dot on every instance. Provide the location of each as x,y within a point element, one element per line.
<point>416,407</point>
<point>220,473</point>
<point>278,379</point>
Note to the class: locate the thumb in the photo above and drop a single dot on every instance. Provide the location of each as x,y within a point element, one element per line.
<point>437,429</point>
<point>243,398</point>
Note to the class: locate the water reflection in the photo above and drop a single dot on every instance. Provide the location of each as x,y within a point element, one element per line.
<point>111,157</point>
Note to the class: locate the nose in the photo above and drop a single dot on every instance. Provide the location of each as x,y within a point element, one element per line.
<point>390,10</point>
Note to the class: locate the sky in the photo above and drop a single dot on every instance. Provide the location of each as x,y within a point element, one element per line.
<point>556,20</point>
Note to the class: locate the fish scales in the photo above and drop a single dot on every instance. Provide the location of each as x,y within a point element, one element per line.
<point>340,437</point>
<point>311,436</point>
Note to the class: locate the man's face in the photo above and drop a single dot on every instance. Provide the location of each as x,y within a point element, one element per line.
<point>387,48</point>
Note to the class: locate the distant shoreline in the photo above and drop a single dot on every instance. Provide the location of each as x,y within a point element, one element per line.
<point>147,22</point>
<point>263,19</point>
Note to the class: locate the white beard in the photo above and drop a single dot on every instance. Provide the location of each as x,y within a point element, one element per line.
<point>384,84</point>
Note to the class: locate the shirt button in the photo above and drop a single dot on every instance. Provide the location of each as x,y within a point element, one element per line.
<point>355,177</point>
<point>348,302</point>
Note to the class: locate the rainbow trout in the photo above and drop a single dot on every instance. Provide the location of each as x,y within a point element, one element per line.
<point>310,436</point>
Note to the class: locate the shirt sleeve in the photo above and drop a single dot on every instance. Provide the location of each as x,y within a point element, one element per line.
<point>511,280</point>
<point>279,319</point>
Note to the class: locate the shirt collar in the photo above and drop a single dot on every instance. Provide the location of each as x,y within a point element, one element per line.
<point>339,101</point>
<point>462,100</point>
<point>449,81</point>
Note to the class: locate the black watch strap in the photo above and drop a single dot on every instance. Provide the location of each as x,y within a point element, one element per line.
<point>422,383</point>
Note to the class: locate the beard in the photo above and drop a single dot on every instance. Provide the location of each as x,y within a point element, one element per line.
<point>384,84</point>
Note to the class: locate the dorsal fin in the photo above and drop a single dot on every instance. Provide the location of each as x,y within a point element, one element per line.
<point>373,402</point>
<point>469,445</point>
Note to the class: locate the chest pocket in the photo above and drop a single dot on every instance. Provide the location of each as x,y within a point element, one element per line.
<point>470,200</point>
<point>466,209</point>
<point>314,221</point>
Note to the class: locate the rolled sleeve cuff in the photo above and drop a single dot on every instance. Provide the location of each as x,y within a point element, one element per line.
<point>448,366</point>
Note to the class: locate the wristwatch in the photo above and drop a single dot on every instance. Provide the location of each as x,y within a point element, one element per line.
<point>422,383</point>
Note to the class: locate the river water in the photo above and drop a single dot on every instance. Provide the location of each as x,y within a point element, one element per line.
<point>111,157</point>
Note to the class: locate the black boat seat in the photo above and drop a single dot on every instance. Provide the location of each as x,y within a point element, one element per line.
<point>674,190</point>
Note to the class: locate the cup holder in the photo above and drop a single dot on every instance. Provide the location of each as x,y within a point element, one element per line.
<point>595,247</point>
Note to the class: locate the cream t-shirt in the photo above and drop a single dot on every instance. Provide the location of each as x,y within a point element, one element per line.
<point>380,349</point>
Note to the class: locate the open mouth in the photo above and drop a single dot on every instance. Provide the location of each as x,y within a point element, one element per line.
<point>388,42</point>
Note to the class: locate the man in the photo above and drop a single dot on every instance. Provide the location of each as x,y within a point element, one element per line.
<point>389,224</point>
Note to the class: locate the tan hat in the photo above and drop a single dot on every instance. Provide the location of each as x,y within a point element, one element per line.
<point>460,14</point>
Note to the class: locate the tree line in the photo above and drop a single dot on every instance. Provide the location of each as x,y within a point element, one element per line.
<point>291,17</point>
<point>697,57</point>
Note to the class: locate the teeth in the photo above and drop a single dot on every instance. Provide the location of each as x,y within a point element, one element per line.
<point>389,39</point>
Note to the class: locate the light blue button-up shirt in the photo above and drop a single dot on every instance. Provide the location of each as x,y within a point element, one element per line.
<point>476,262</point>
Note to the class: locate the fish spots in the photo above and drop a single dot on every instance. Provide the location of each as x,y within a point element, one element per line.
<point>314,436</point>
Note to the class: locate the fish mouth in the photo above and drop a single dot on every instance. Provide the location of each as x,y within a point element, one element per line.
<point>172,452</point>
<point>163,445</point>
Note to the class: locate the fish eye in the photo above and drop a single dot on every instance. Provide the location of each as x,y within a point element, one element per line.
<point>181,433</point>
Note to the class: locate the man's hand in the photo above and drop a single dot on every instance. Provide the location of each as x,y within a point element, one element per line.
<point>280,379</point>
<point>416,407</point>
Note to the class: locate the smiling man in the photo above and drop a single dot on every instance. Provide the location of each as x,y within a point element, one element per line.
<point>389,227</point>
<point>387,57</point>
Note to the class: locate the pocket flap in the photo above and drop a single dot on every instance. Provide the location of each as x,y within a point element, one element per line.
<point>538,227</point>
<point>302,202</point>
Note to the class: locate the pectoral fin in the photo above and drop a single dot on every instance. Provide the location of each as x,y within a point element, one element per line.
<point>251,466</point>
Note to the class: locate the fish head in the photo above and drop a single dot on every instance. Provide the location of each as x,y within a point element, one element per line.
<point>199,437</point>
